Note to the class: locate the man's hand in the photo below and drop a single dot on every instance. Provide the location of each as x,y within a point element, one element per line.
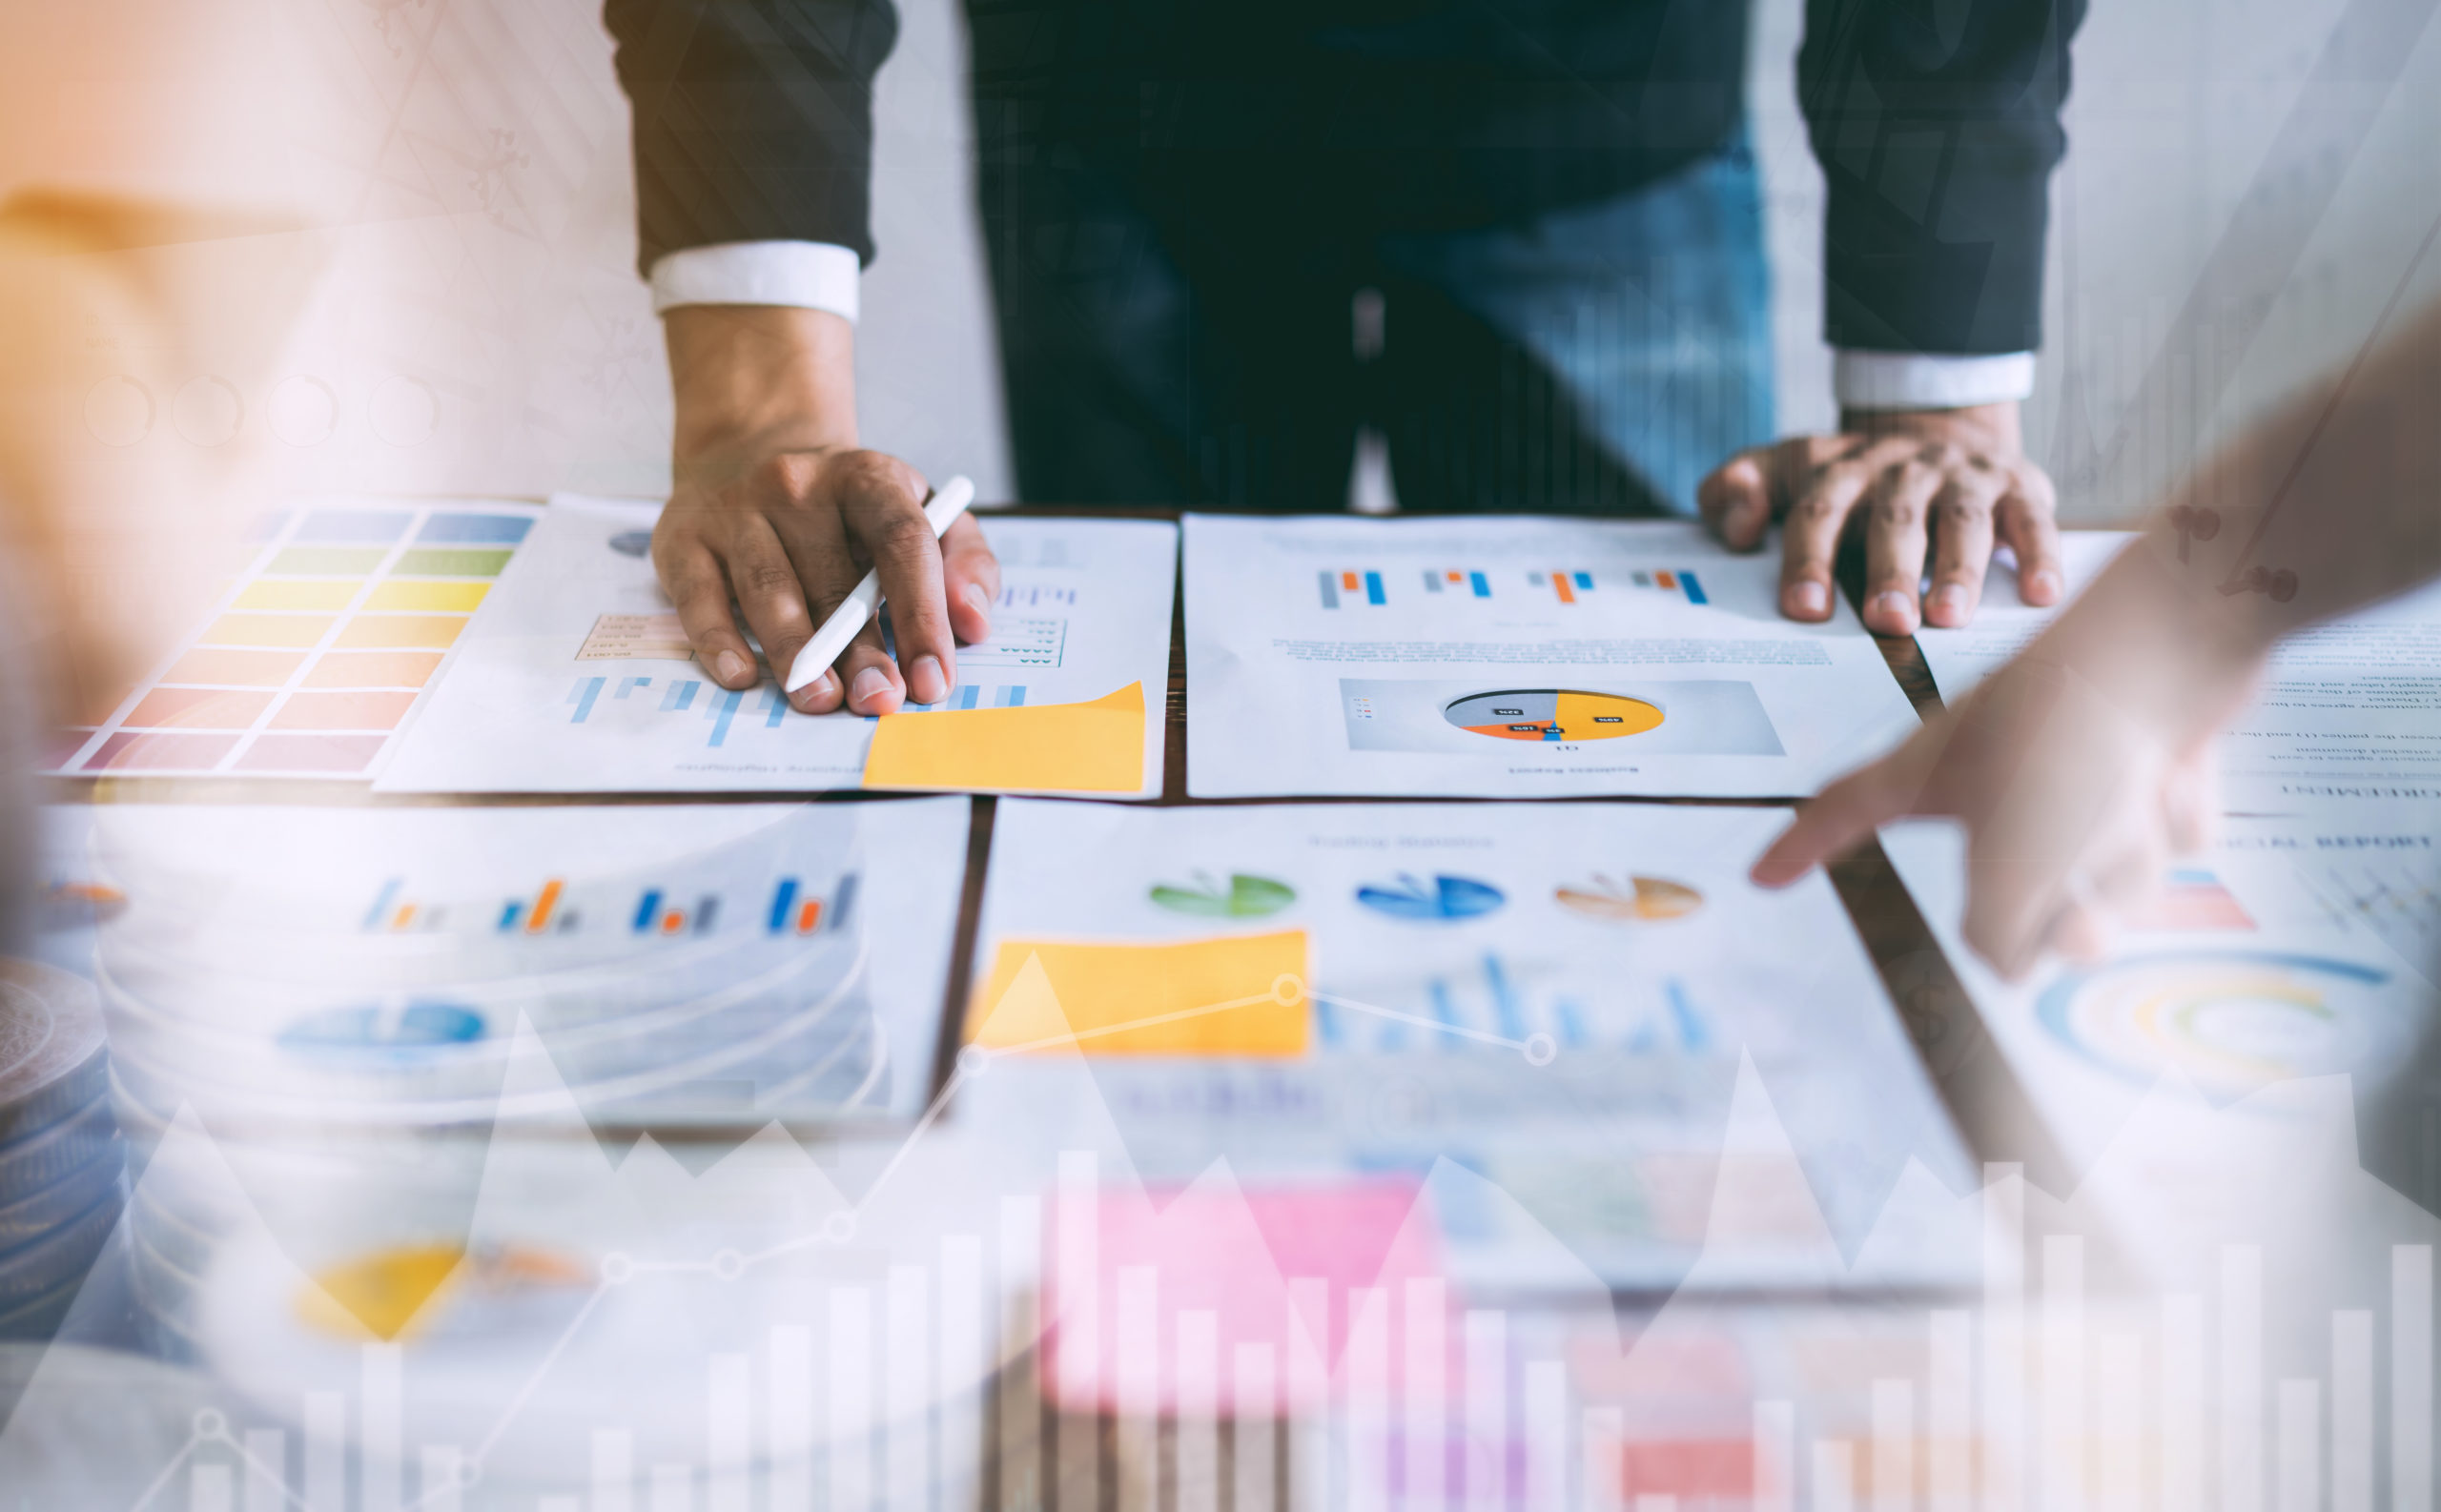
<point>776,507</point>
<point>1944,483</point>
<point>2073,805</point>
<point>2079,769</point>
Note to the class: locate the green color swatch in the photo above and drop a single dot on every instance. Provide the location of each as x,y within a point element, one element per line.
<point>432,561</point>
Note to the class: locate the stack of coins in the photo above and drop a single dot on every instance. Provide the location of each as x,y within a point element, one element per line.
<point>328,1034</point>
<point>61,1160</point>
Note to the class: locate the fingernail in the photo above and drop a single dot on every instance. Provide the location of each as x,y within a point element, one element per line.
<point>2044,584</point>
<point>730,666</point>
<point>926,681</point>
<point>821,688</point>
<point>1809,597</point>
<point>870,684</point>
<point>1894,606</point>
<point>1949,601</point>
<point>980,600</point>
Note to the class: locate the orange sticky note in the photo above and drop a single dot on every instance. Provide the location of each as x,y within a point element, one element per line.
<point>1236,995</point>
<point>1096,747</point>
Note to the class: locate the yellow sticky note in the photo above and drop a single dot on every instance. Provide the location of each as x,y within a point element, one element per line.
<point>276,593</point>
<point>1234,995</point>
<point>1096,747</point>
<point>409,594</point>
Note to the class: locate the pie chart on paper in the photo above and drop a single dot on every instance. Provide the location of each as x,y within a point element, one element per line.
<point>1441,900</point>
<point>1245,896</point>
<point>1641,899</point>
<point>1553,714</point>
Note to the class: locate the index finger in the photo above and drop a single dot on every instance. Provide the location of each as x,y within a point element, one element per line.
<point>884,513</point>
<point>2027,520</point>
<point>1846,812</point>
<point>972,574</point>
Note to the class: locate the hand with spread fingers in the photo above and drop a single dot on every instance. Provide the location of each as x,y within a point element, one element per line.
<point>2074,794</point>
<point>1931,491</point>
<point>777,515</point>
<point>2082,764</point>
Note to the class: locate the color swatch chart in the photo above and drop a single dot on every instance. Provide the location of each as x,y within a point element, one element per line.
<point>313,660</point>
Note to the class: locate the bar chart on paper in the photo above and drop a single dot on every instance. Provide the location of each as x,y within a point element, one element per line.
<point>1525,1005</point>
<point>724,710</point>
<point>1356,587</point>
<point>1534,658</point>
<point>790,905</point>
<point>577,677</point>
<point>316,659</point>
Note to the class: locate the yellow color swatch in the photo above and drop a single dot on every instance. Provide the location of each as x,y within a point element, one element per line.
<point>266,629</point>
<point>1148,999</point>
<point>273,593</point>
<point>400,631</point>
<point>404,594</point>
<point>1096,747</point>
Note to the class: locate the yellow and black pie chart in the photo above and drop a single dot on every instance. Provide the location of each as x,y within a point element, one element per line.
<point>1553,714</point>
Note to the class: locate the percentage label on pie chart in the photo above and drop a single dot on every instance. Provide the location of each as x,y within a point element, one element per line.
<point>1553,714</point>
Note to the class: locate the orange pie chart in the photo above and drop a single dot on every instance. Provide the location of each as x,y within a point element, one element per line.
<point>1553,714</point>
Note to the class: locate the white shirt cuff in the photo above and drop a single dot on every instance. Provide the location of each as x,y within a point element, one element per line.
<point>808,274</point>
<point>1918,380</point>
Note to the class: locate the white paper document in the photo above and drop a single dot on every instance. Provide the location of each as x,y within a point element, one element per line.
<point>2349,712</point>
<point>731,962</point>
<point>576,677</point>
<point>2006,623</point>
<point>1513,658</point>
<point>2377,863</point>
<point>2237,1024</point>
<point>1559,999</point>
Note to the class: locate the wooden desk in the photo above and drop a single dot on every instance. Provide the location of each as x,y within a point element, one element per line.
<point>1981,1096</point>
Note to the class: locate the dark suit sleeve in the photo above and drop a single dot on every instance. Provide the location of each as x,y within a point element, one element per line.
<point>1937,123</point>
<point>753,119</point>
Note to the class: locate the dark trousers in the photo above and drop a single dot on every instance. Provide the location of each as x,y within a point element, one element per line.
<point>1595,359</point>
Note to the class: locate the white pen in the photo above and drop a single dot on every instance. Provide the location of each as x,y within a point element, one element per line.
<point>947,504</point>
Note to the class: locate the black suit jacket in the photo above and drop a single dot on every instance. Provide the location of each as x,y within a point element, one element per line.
<point>1937,122</point>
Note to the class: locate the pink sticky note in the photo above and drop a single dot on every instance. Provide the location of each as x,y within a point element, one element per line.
<point>1243,1300</point>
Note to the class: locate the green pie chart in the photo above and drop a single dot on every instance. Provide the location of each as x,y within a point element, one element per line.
<point>1243,896</point>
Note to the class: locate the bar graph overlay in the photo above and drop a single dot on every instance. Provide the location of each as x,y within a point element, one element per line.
<point>1184,1358</point>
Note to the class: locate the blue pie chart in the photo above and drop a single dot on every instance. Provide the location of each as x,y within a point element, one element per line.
<point>1443,900</point>
<point>389,1033</point>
